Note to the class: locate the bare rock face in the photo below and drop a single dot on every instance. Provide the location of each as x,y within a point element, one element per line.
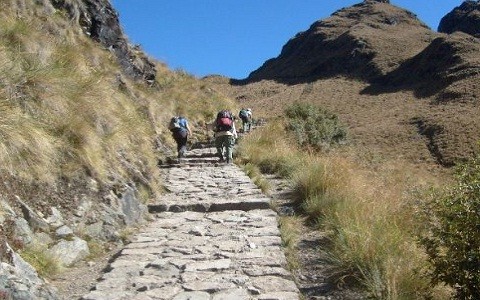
<point>18,280</point>
<point>99,20</point>
<point>464,18</point>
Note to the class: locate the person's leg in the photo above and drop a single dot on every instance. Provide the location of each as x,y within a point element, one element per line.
<point>244,126</point>
<point>229,143</point>
<point>219,146</point>
<point>182,147</point>
<point>179,144</point>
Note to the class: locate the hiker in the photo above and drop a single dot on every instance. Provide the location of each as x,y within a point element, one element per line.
<point>225,135</point>
<point>245,115</point>
<point>180,132</point>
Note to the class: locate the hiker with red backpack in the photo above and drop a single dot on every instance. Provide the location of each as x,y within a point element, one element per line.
<point>180,131</point>
<point>225,135</point>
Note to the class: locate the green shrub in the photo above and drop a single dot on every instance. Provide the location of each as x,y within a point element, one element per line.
<point>313,126</point>
<point>452,238</point>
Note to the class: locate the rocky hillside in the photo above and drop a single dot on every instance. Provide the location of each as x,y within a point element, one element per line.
<point>404,90</point>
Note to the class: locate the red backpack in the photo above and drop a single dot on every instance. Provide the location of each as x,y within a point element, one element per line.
<point>224,121</point>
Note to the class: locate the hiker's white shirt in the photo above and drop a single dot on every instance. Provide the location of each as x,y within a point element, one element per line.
<point>232,131</point>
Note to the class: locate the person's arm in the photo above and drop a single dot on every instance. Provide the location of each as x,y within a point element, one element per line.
<point>188,129</point>
<point>234,131</point>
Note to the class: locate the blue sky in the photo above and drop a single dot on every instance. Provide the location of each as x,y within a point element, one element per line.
<point>234,38</point>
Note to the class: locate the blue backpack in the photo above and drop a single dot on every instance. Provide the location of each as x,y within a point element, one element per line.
<point>178,126</point>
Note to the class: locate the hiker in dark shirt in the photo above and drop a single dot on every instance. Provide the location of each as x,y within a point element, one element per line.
<point>180,132</point>
<point>245,115</point>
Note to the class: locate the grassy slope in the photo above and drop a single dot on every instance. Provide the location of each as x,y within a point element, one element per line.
<point>69,114</point>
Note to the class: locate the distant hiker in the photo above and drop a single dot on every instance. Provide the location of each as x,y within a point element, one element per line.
<point>180,131</point>
<point>245,115</point>
<point>225,135</point>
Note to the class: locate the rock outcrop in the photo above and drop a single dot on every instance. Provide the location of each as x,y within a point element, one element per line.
<point>464,18</point>
<point>61,237</point>
<point>18,280</point>
<point>99,20</point>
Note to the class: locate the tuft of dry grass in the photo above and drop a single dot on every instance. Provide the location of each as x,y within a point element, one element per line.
<point>44,264</point>
<point>27,149</point>
<point>254,173</point>
<point>290,229</point>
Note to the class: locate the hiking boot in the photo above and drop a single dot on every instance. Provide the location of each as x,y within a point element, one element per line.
<point>181,154</point>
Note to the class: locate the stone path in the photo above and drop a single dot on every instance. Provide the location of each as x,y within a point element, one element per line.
<point>214,237</point>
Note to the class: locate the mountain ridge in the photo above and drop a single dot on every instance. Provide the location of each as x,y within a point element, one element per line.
<point>394,57</point>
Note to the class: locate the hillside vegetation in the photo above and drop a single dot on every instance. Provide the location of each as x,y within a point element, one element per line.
<point>69,112</point>
<point>83,124</point>
<point>404,90</point>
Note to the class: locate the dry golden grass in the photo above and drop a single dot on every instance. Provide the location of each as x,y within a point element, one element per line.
<point>69,113</point>
<point>270,154</point>
<point>369,209</point>
<point>26,148</point>
<point>290,229</point>
<point>254,173</point>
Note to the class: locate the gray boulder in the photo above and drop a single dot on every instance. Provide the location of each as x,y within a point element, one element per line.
<point>70,252</point>
<point>18,280</point>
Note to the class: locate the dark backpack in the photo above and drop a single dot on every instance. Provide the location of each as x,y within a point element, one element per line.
<point>224,121</point>
<point>243,114</point>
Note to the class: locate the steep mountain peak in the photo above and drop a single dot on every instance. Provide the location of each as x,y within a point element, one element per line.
<point>464,18</point>
<point>363,41</point>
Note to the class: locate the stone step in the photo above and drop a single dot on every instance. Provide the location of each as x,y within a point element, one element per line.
<point>208,206</point>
